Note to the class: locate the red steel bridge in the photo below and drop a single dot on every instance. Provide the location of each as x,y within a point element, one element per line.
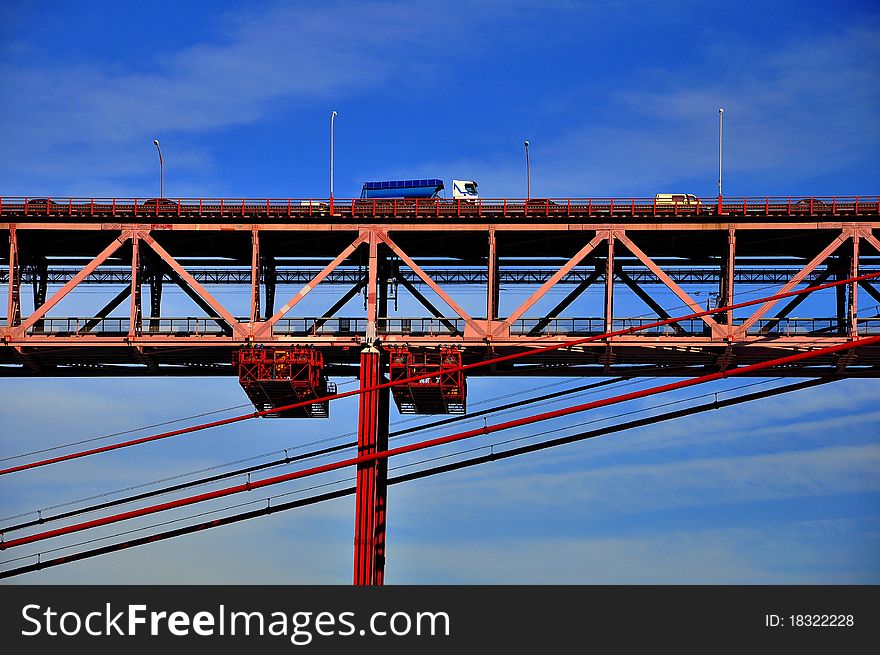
<point>606,256</point>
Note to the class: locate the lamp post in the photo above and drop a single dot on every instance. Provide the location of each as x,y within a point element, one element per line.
<point>161,169</point>
<point>720,134</point>
<point>528,173</point>
<point>332,120</point>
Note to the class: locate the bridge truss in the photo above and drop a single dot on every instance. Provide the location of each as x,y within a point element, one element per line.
<point>604,258</point>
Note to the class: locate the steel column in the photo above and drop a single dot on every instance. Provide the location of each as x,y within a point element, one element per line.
<point>270,274</point>
<point>853,308</point>
<point>157,279</point>
<point>13,310</point>
<point>370,495</point>
<point>134,314</point>
<point>381,504</point>
<point>372,289</point>
<point>728,277</point>
<point>255,276</point>
<point>492,286</point>
<point>40,268</point>
<point>609,284</point>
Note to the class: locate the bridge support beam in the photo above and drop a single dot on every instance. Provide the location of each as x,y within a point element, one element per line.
<point>135,306</point>
<point>371,485</point>
<point>853,296</point>
<point>609,284</point>
<point>13,310</point>
<point>493,292</point>
<point>255,277</point>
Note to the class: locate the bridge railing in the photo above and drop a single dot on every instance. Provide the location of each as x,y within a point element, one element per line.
<point>119,326</point>
<point>451,326</point>
<point>355,209</point>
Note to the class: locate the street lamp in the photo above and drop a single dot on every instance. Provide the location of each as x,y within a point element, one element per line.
<point>332,118</point>
<point>528,173</point>
<point>720,132</point>
<point>161,169</point>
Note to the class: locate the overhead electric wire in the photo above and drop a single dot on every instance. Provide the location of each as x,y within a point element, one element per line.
<point>400,450</point>
<point>464,367</point>
<point>483,459</point>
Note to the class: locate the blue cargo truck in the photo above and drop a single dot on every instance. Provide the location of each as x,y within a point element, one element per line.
<point>427,188</point>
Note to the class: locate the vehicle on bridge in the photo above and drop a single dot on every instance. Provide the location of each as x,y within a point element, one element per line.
<point>676,199</point>
<point>424,188</point>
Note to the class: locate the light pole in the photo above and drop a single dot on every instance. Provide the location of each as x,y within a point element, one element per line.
<point>161,169</point>
<point>528,173</point>
<point>332,119</point>
<point>720,133</point>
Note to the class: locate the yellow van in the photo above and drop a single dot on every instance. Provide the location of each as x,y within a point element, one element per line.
<point>675,199</point>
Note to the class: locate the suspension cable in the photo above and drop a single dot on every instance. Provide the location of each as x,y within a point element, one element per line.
<point>491,457</point>
<point>465,367</point>
<point>430,443</point>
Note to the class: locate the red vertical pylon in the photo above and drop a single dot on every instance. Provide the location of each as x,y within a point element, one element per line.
<point>369,530</point>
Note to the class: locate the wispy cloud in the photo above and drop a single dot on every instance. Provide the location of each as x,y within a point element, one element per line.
<point>704,482</point>
<point>793,110</point>
<point>57,116</point>
<point>797,553</point>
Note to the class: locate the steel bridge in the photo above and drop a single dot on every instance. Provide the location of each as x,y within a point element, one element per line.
<point>614,248</point>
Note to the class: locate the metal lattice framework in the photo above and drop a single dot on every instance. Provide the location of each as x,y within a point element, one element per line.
<point>374,248</point>
<point>426,248</point>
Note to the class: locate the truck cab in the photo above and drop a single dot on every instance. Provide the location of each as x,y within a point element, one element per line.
<point>464,189</point>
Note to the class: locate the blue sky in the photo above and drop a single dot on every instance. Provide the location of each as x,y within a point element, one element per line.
<point>616,98</point>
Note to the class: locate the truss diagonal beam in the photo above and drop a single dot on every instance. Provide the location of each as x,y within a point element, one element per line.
<point>427,304</point>
<point>315,281</point>
<point>388,241</point>
<point>871,290</point>
<point>868,236</point>
<point>554,279</point>
<point>191,282</point>
<point>106,309</point>
<point>197,299</point>
<point>793,304</point>
<point>339,304</point>
<point>826,252</point>
<point>668,281</point>
<point>41,311</point>
<point>647,299</point>
<point>564,303</point>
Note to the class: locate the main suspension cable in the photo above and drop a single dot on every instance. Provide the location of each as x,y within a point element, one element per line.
<point>483,459</point>
<point>400,450</point>
<point>465,367</point>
